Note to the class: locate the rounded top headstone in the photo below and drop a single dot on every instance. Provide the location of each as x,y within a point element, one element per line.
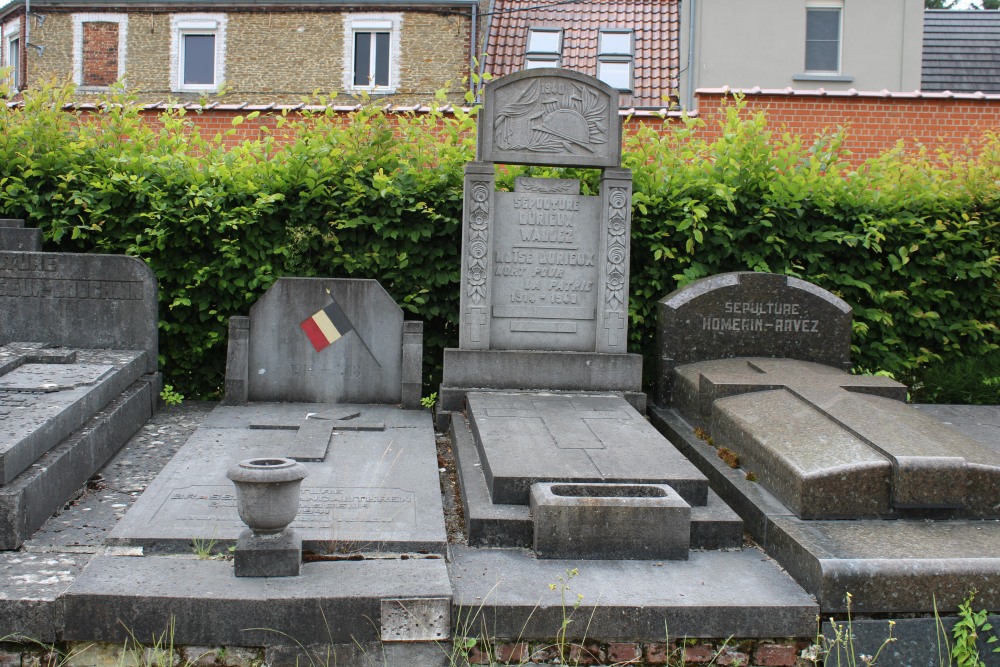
<point>550,116</point>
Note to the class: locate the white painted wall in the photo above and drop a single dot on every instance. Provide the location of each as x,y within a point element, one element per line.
<point>747,43</point>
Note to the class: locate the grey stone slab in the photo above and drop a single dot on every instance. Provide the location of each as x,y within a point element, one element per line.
<point>79,301</point>
<point>45,486</point>
<point>890,566</point>
<point>42,403</point>
<point>917,642</point>
<point>20,240</point>
<point>610,521</point>
<point>747,314</point>
<point>544,268</point>
<point>550,116</point>
<point>376,491</point>
<point>341,602</point>
<point>268,556</point>
<point>238,361</point>
<point>30,586</point>
<point>802,457</point>
<point>412,364</point>
<point>713,594</point>
<point>713,525</point>
<point>932,466</point>
<point>529,438</point>
<point>12,223</point>
<point>751,501</point>
<point>979,422</point>
<point>528,370</point>
<point>346,417</point>
<point>363,365</point>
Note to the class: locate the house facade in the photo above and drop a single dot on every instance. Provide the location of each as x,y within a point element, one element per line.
<point>659,52</point>
<point>802,44</point>
<point>279,53</point>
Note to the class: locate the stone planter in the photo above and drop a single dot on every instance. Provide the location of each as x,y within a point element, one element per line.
<point>267,492</point>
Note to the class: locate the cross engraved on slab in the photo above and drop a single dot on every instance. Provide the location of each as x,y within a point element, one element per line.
<point>932,466</point>
<point>614,323</point>
<point>313,433</point>
<point>568,426</point>
<point>476,317</point>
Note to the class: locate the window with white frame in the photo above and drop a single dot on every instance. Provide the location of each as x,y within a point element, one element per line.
<point>12,54</point>
<point>372,52</point>
<point>615,56</point>
<point>544,48</point>
<point>99,42</point>
<point>198,56</point>
<point>823,38</point>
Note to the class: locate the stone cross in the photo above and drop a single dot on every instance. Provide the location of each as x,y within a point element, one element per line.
<point>315,430</point>
<point>566,424</point>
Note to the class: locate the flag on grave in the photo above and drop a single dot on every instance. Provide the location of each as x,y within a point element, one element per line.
<point>327,326</point>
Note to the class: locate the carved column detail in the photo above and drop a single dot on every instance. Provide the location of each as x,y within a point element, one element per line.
<point>616,193</point>
<point>476,245</point>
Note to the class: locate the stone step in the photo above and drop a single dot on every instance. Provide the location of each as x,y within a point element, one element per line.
<point>713,525</point>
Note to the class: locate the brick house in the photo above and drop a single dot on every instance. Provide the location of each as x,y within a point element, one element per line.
<point>276,51</point>
<point>658,52</point>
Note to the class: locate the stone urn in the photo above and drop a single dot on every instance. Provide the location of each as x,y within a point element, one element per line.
<point>267,492</point>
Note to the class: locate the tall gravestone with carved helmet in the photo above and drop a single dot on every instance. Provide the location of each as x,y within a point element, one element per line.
<point>544,286</point>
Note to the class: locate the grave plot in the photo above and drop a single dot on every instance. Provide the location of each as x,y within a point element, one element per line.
<point>78,377</point>
<point>848,487</point>
<point>369,525</point>
<point>553,452</point>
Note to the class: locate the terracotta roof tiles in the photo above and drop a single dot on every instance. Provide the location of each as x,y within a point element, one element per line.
<point>656,24</point>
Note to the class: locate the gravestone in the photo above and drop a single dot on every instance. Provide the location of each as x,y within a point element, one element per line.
<point>14,236</point>
<point>747,314</point>
<point>544,282</point>
<point>78,358</point>
<point>273,354</point>
<point>835,475</point>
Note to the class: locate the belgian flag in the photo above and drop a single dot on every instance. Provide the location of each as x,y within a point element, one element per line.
<point>327,326</point>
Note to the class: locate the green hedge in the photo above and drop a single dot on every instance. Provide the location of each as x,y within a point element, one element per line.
<point>910,241</point>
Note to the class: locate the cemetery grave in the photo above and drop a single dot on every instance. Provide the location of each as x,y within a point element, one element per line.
<point>565,487</point>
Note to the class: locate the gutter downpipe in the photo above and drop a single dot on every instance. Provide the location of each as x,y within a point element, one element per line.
<point>486,38</point>
<point>473,25</point>
<point>689,105</point>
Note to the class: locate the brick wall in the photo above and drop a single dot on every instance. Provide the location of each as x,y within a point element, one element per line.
<point>271,56</point>
<point>875,124</point>
<point>100,54</point>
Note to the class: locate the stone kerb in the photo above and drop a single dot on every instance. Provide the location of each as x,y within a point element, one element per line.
<point>79,301</point>
<point>272,357</point>
<point>544,268</point>
<point>746,314</point>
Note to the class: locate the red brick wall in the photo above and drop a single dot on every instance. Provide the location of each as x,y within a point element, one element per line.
<point>100,53</point>
<point>875,124</point>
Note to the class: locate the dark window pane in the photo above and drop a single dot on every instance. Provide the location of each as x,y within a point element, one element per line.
<point>199,59</point>
<point>822,57</point>
<point>823,24</point>
<point>362,58</point>
<point>382,58</point>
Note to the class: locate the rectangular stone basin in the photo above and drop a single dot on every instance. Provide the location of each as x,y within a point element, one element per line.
<point>610,521</point>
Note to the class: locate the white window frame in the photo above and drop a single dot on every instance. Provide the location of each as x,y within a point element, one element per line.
<point>617,57</point>
<point>78,21</point>
<point>182,25</point>
<point>536,59</point>
<point>355,23</point>
<point>826,6</point>
<point>11,32</point>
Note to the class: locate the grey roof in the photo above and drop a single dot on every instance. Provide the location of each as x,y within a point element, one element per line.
<point>961,51</point>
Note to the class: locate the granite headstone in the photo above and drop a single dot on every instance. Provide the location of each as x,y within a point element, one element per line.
<point>545,268</point>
